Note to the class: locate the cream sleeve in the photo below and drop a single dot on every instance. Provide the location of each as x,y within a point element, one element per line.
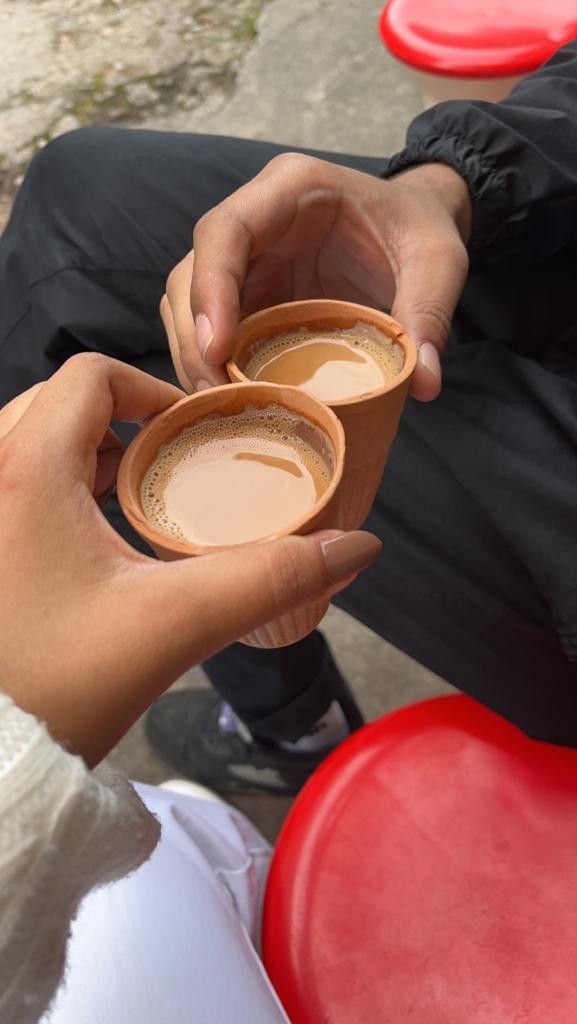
<point>63,831</point>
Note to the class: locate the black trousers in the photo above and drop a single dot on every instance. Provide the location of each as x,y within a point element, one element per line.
<point>100,220</point>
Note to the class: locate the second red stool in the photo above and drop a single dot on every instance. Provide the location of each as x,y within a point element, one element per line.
<point>428,874</point>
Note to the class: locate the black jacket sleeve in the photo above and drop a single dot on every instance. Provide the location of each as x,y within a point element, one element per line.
<point>518,157</point>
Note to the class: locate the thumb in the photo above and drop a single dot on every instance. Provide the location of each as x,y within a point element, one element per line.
<point>209,602</point>
<point>161,618</point>
<point>428,289</point>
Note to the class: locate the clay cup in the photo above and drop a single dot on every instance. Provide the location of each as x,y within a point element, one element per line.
<point>370,420</point>
<point>230,400</point>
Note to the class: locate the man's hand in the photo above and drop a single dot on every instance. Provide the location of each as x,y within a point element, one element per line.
<point>92,631</point>
<point>304,228</point>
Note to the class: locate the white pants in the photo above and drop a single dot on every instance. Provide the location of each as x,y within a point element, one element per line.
<point>173,943</point>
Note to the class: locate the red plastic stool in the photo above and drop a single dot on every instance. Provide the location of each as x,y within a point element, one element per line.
<point>469,49</point>
<point>428,874</point>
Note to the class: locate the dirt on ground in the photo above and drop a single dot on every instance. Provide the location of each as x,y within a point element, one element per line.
<point>67,63</point>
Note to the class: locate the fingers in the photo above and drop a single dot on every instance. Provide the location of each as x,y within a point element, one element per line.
<point>304,227</point>
<point>12,413</point>
<point>429,285</point>
<point>108,459</point>
<point>271,579</point>
<point>154,620</point>
<point>433,209</point>
<point>175,309</point>
<point>207,603</point>
<point>110,450</point>
<point>186,382</point>
<point>256,218</point>
<point>70,413</point>
<point>224,242</point>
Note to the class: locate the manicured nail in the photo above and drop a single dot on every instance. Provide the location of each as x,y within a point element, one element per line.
<point>203,385</point>
<point>429,357</point>
<point>349,553</point>
<point>204,335</point>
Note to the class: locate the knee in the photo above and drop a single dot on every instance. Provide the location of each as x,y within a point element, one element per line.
<point>78,152</point>
<point>65,174</point>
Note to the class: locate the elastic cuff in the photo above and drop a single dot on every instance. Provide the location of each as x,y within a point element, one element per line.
<point>485,184</point>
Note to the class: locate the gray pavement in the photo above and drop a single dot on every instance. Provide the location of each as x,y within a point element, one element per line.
<point>317,76</point>
<point>68,63</point>
<point>305,73</point>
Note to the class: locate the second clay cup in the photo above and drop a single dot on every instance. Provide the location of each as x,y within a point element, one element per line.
<point>370,420</point>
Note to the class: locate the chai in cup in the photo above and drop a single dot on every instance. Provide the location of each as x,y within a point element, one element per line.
<point>234,465</point>
<point>330,364</point>
<point>234,479</point>
<point>356,359</point>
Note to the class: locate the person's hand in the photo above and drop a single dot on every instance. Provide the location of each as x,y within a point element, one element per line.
<point>92,631</point>
<point>304,228</point>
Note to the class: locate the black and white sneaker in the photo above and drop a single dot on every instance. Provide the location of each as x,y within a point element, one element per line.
<point>200,736</point>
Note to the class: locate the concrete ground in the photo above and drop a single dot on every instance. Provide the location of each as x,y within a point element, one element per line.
<point>305,72</point>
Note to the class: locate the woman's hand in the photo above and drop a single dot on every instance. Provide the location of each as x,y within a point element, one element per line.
<point>92,631</point>
<point>304,228</point>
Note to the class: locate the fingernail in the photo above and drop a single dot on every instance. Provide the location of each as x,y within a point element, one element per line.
<point>350,553</point>
<point>429,357</point>
<point>203,385</point>
<point>204,336</point>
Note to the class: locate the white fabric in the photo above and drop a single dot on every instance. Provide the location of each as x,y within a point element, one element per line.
<point>171,944</point>
<point>63,830</point>
<point>167,945</point>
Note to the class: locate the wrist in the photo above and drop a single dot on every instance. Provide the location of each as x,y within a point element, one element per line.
<point>448,187</point>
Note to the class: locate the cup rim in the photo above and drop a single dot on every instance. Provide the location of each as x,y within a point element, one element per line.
<point>128,489</point>
<point>394,330</point>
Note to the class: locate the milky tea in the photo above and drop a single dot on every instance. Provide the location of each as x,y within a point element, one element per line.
<point>233,479</point>
<point>331,364</point>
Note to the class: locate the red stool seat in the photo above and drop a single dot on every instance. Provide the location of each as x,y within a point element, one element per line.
<point>428,874</point>
<point>469,39</point>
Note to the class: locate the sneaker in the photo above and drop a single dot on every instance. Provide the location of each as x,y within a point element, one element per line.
<point>190,731</point>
